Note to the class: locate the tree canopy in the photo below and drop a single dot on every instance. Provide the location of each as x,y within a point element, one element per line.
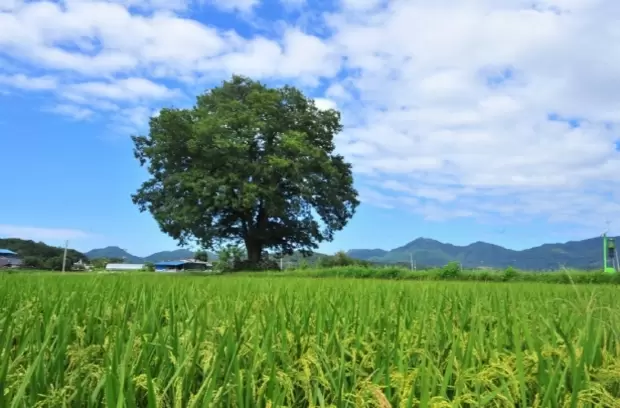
<point>247,164</point>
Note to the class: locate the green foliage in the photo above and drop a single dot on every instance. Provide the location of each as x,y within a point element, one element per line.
<point>249,165</point>
<point>41,256</point>
<point>340,258</point>
<point>201,255</point>
<point>149,266</point>
<point>451,271</point>
<point>510,273</point>
<point>99,263</point>
<point>438,274</point>
<point>162,341</point>
<point>55,264</point>
<point>228,258</point>
<point>34,262</point>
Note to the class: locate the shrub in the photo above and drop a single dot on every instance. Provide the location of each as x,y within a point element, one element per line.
<point>510,273</point>
<point>450,271</point>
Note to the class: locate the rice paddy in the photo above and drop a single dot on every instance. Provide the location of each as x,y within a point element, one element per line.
<point>243,341</point>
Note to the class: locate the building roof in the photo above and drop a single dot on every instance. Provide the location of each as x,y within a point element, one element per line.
<point>171,263</point>
<point>7,252</point>
<point>181,262</point>
<point>124,266</point>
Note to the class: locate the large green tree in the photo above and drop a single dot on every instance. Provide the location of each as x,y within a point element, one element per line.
<point>248,164</point>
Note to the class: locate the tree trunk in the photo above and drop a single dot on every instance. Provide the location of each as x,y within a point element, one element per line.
<point>255,251</point>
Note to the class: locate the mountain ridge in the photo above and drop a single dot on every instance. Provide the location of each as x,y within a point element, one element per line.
<point>117,252</point>
<point>584,254</point>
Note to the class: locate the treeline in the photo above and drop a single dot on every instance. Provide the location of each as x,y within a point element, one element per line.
<point>38,255</point>
<point>453,272</point>
<point>233,258</point>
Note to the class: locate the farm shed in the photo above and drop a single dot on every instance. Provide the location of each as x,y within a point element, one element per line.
<point>124,267</point>
<point>184,265</point>
<point>9,258</point>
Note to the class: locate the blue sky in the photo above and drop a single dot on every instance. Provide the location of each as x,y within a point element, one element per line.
<point>486,121</point>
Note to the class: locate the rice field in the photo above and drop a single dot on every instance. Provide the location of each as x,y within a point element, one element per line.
<point>242,341</point>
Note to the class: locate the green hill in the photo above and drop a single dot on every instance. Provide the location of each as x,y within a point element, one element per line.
<point>586,254</point>
<point>40,255</point>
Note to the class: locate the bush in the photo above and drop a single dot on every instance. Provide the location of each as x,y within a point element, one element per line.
<point>510,273</point>
<point>340,258</point>
<point>450,271</point>
<point>265,264</point>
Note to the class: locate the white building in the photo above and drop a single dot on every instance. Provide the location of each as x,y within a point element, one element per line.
<point>124,267</point>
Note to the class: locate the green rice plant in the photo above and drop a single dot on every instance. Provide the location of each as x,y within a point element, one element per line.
<point>239,341</point>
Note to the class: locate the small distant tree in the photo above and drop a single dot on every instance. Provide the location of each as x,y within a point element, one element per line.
<point>149,266</point>
<point>201,255</point>
<point>451,270</point>
<point>55,264</point>
<point>510,273</point>
<point>229,258</point>
<point>99,263</point>
<point>34,262</point>
<point>340,258</point>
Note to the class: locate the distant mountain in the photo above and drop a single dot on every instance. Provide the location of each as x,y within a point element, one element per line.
<point>113,252</point>
<point>586,254</point>
<point>367,254</point>
<point>171,255</point>
<point>116,252</point>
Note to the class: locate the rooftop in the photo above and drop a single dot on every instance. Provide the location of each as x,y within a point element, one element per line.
<point>7,252</point>
<point>170,263</point>
<point>181,262</point>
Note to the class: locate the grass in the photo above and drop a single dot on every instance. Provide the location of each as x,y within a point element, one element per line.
<point>234,341</point>
<point>567,276</point>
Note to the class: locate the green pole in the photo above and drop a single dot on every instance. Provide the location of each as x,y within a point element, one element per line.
<point>605,252</point>
<point>606,243</point>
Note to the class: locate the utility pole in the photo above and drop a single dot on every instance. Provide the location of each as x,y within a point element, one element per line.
<point>281,266</point>
<point>64,256</point>
<point>411,260</point>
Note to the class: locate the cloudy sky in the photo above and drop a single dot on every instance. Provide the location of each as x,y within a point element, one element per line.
<point>493,120</point>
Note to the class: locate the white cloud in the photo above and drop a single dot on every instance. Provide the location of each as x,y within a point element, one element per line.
<point>103,38</point>
<point>360,5</point>
<point>41,234</point>
<point>324,103</point>
<point>22,81</point>
<point>123,89</point>
<point>72,111</point>
<point>455,100</point>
